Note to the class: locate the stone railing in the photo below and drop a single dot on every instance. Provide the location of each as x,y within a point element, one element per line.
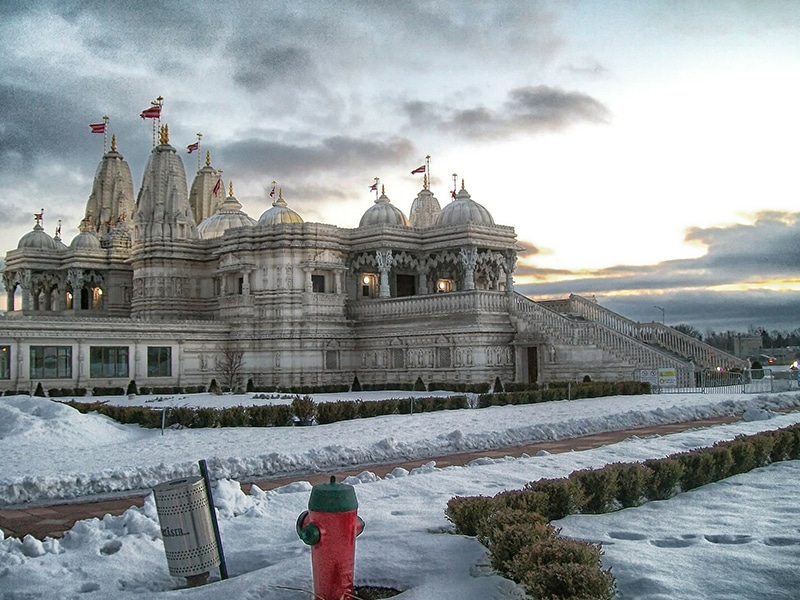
<point>433,304</point>
<point>656,334</point>
<point>562,329</point>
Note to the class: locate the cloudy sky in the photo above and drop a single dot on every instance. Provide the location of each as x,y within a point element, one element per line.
<point>646,153</point>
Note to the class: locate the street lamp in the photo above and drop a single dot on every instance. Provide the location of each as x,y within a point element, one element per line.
<point>662,313</point>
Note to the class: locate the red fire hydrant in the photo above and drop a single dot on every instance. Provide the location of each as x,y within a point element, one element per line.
<point>330,526</point>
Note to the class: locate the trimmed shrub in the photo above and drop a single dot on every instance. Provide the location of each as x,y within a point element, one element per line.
<point>213,388</point>
<point>554,498</point>
<point>356,386</point>
<point>469,513</point>
<point>743,453</point>
<point>507,532</point>
<point>132,389</point>
<point>419,385</point>
<point>599,488</point>
<point>563,568</point>
<point>665,474</point>
<point>631,483</point>
<point>39,390</point>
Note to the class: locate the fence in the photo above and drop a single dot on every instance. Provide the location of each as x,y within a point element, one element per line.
<point>748,381</point>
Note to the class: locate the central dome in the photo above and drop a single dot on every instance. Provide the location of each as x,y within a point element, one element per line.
<point>229,215</point>
<point>464,210</point>
<point>383,212</point>
<point>280,213</point>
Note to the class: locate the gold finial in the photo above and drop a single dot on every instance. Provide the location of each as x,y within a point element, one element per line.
<point>462,183</point>
<point>425,181</point>
<point>114,143</point>
<point>208,158</point>
<point>383,190</point>
<point>230,188</point>
<point>164,134</point>
<point>280,193</point>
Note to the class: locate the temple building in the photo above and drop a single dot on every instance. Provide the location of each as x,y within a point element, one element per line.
<point>167,286</point>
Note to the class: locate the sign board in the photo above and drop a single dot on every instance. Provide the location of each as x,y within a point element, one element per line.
<point>668,377</point>
<point>649,376</point>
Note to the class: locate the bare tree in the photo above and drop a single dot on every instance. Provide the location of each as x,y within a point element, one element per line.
<point>230,364</point>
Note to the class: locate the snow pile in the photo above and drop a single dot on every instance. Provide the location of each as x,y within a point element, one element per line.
<point>45,466</point>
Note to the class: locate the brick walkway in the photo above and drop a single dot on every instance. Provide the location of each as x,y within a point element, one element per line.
<point>54,520</point>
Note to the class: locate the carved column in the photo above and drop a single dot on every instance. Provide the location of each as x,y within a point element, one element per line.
<point>469,258</point>
<point>422,279</point>
<point>385,261</point>
<point>11,286</point>
<point>25,285</point>
<point>511,262</point>
<point>75,278</point>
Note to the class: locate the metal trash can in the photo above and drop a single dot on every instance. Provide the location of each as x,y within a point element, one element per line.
<point>186,527</point>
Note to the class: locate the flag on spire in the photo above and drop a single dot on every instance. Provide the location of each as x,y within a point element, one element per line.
<point>217,187</point>
<point>192,147</point>
<point>97,127</point>
<point>374,187</point>
<point>272,191</point>
<point>154,112</point>
<point>418,170</point>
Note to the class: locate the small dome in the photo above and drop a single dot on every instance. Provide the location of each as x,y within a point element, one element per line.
<point>383,212</point>
<point>85,240</point>
<point>228,216</point>
<point>279,213</point>
<point>38,239</point>
<point>464,210</point>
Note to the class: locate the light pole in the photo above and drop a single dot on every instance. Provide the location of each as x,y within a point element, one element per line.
<point>662,313</point>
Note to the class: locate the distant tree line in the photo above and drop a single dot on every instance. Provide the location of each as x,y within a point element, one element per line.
<point>724,340</point>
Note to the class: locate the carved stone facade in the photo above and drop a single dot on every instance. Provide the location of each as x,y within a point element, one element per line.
<point>145,296</point>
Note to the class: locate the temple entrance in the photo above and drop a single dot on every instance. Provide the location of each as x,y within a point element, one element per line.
<point>533,364</point>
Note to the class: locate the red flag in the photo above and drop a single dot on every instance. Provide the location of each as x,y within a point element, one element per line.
<point>217,186</point>
<point>453,194</point>
<point>272,192</point>
<point>192,147</point>
<point>154,112</point>
<point>97,127</point>
<point>418,170</point>
<point>373,187</point>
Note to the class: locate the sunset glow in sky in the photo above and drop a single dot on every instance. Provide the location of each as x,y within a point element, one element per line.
<point>646,153</point>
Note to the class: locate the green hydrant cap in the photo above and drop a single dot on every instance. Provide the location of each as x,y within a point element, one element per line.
<point>332,497</point>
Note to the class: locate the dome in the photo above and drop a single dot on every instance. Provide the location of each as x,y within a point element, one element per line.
<point>228,216</point>
<point>279,213</point>
<point>464,210</point>
<point>383,212</point>
<point>38,239</point>
<point>85,240</point>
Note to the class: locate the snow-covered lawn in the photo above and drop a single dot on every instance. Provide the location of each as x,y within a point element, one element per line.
<point>738,538</point>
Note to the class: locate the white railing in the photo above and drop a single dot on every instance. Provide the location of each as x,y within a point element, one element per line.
<point>687,347</point>
<point>443,304</point>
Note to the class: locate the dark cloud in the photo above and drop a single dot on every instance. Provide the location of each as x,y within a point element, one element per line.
<point>338,153</point>
<point>531,109</point>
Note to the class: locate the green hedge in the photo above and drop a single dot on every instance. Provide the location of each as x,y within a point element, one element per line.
<point>562,391</point>
<point>521,548</point>
<point>278,415</point>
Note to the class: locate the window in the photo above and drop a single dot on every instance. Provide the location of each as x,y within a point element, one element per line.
<point>406,285</point>
<point>108,361</point>
<point>159,361</point>
<point>5,362</point>
<point>51,362</point>
<point>318,283</point>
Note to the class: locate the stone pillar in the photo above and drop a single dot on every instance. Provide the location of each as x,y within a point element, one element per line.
<point>385,261</point>
<point>511,262</point>
<point>246,283</point>
<point>11,287</point>
<point>337,282</point>
<point>75,278</point>
<point>309,287</point>
<point>469,258</point>
<point>25,286</point>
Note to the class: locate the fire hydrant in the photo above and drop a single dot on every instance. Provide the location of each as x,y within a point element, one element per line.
<point>330,526</point>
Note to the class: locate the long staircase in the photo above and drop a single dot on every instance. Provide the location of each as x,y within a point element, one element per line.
<point>577,320</point>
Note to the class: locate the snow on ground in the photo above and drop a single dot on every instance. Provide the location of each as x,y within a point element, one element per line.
<point>687,547</point>
<point>53,452</point>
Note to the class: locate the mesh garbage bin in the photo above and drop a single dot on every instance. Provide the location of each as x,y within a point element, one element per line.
<point>186,527</point>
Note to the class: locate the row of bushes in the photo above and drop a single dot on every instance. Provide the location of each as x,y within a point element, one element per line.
<point>513,525</point>
<point>269,415</point>
<point>564,392</point>
<point>509,393</point>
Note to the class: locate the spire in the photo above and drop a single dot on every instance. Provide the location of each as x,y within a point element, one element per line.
<point>164,138</point>
<point>112,191</point>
